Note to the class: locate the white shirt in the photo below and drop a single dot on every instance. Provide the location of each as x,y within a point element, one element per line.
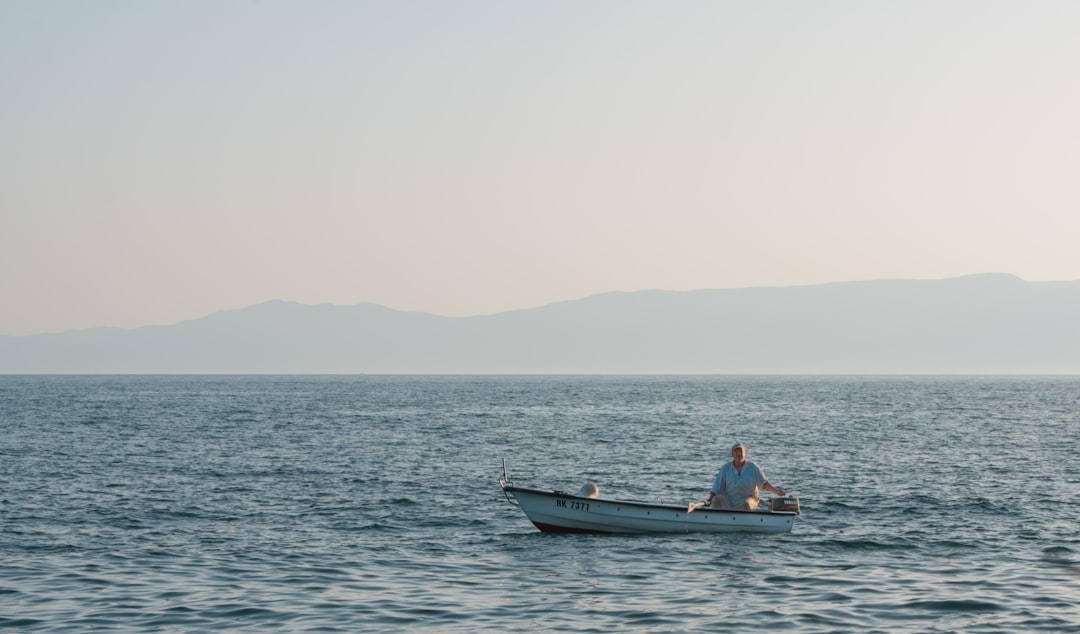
<point>739,487</point>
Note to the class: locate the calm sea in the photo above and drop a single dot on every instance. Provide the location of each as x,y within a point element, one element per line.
<point>359,503</point>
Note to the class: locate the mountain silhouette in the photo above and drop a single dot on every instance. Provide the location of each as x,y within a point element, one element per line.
<point>979,324</point>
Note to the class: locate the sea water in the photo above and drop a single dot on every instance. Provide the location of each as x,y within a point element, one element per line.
<point>371,503</point>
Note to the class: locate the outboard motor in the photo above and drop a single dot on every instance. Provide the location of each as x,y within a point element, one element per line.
<point>789,504</point>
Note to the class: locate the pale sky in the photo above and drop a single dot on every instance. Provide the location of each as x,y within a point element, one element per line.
<point>160,161</point>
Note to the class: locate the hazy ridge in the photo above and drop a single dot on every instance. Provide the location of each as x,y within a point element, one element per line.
<point>973,324</point>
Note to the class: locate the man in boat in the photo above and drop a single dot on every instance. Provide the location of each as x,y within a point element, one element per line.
<point>738,482</point>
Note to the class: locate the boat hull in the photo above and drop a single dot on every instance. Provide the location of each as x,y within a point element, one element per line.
<point>560,512</point>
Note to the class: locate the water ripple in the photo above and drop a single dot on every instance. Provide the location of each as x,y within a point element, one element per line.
<point>345,504</point>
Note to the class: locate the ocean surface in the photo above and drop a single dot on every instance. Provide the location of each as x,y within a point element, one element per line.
<point>371,503</point>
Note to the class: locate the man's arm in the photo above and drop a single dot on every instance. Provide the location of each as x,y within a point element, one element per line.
<point>771,489</point>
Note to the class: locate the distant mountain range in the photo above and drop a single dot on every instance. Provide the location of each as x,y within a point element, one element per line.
<point>996,324</point>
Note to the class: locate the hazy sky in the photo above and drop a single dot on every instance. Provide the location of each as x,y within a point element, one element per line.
<point>163,160</point>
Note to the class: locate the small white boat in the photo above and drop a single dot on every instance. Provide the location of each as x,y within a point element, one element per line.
<point>586,512</point>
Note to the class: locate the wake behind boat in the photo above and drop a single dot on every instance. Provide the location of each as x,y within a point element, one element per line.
<point>587,512</point>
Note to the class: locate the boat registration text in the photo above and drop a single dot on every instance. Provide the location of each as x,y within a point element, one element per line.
<point>572,505</point>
